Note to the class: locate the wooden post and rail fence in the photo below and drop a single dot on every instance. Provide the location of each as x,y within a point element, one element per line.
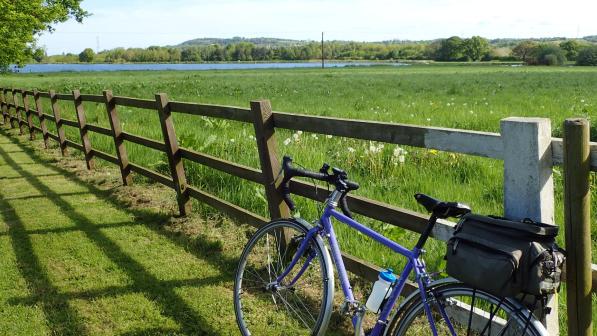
<point>524,144</point>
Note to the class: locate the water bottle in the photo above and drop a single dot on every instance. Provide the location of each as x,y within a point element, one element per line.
<point>381,290</point>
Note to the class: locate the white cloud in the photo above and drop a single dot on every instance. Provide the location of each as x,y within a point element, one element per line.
<point>143,23</point>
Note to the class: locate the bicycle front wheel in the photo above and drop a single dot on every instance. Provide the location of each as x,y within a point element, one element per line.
<point>469,312</point>
<point>301,309</point>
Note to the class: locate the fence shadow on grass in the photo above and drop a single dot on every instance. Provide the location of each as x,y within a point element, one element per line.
<point>62,318</point>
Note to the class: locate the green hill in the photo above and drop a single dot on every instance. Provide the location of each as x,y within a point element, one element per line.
<point>258,41</point>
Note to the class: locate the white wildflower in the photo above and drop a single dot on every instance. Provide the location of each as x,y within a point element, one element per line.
<point>295,137</point>
<point>287,141</point>
<point>328,136</point>
<point>232,140</point>
<point>398,151</point>
<point>351,150</point>
<point>299,132</point>
<point>401,159</point>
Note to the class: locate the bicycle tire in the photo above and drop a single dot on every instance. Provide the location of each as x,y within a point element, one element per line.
<point>260,311</point>
<point>505,315</point>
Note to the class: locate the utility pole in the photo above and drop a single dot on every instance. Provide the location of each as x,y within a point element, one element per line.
<point>322,56</point>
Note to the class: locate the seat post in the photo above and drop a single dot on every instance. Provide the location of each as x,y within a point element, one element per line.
<point>427,232</point>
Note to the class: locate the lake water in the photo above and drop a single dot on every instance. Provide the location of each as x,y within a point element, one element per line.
<point>39,68</point>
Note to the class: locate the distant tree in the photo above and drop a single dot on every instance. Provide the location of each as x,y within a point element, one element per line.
<point>431,50</point>
<point>87,55</point>
<point>524,49</point>
<point>39,54</point>
<point>21,21</point>
<point>547,54</point>
<point>587,56</point>
<point>192,54</point>
<point>475,48</point>
<point>451,49</point>
<point>571,47</point>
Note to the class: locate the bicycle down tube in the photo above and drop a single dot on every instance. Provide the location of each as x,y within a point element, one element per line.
<point>413,263</point>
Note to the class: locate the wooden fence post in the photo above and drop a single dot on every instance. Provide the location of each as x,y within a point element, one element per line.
<point>28,115</point>
<point>58,121</point>
<point>528,180</point>
<point>41,117</point>
<point>2,106</point>
<point>83,129</point>
<point>577,210</point>
<point>18,113</point>
<point>10,120</point>
<point>173,153</point>
<point>121,153</point>
<point>268,157</point>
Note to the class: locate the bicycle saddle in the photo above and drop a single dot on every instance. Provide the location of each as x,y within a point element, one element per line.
<point>442,209</point>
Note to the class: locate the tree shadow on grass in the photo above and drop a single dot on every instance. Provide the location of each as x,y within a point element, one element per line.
<point>61,317</point>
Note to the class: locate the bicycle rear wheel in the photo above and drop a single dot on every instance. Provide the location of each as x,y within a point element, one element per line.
<point>470,312</point>
<point>302,309</point>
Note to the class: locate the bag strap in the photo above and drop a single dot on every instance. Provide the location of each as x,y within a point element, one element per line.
<point>540,230</point>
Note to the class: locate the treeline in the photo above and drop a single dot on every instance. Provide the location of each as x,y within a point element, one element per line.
<point>451,49</point>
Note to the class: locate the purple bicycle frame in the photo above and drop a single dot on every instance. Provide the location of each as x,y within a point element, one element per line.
<point>413,263</point>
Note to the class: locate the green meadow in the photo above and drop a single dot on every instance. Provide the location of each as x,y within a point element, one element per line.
<point>467,97</point>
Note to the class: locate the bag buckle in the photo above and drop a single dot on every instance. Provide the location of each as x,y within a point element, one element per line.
<point>456,241</point>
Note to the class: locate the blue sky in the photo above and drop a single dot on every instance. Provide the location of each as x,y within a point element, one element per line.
<point>136,23</point>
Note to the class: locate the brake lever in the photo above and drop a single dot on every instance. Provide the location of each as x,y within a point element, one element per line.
<point>286,192</point>
<point>325,168</point>
<point>344,206</point>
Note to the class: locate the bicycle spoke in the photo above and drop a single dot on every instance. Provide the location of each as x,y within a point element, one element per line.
<point>293,310</point>
<point>470,317</point>
<point>491,315</point>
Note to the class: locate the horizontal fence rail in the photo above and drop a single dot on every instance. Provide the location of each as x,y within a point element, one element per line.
<point>482,144</point>
<point>446,139</point>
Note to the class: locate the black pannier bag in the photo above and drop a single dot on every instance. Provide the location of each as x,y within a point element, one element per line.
<point>505,257</point>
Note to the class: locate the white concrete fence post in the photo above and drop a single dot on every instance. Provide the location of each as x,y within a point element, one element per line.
<point>528,180</point>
